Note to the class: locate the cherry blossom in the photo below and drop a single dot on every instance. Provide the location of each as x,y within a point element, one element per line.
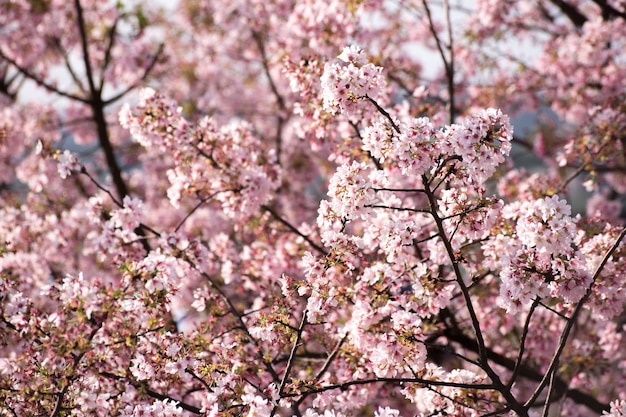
<point>312,208</point>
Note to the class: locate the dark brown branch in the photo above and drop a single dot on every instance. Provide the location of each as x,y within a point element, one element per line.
<point>58,406</point>
<point>400,190</point>
<point>448,62</point>
<point>197,206</point>
<point>422,381</point>
<point>84,43</point>
<point>151,393</point>
<point>237,315</point>
<point>41,82</point>
<point>282,113</point>
<point>314,245</point>
<point>66,59</point>
<point>290,362</point>
<point>572,13</point>
<point>522,343</point>
<point>450,67</point>
<point>330,358</point>
<point>84,171</point>
<point>383,112</point>
<point>549,397</point>
<point>608,11</point>
<point>479,339</point>
<point>369,154</point>
<point>412,210</point>
<point>526,371</point>
<point>197,378</point>
<point>6,80</point>
<point>265,62</point>
<point>107,52</point>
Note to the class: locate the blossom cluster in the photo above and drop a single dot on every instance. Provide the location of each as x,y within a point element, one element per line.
<point>540,258</point>
<point>285,225</point>
<point>414,149</point>
<point>158,408</point>
<point>204,157</point>
<point>349,80</point>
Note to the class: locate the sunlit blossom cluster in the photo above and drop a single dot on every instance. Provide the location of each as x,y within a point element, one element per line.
<point>203,155</point>
<point>347,82</point>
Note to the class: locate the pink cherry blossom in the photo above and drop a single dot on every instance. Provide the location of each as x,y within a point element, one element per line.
<point>312,208</point>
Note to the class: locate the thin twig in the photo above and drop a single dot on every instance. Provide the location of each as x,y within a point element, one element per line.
<point>57,44</point>
<point>238,316</point>
<point>422,381</point>
<point>447,61</point>
<point>107,53</point>
<point>383,112</point>
<point>140,81</point>
<point>295,230</point>
<point>330,358</point>
<point>291,361</point>
<point>197,378</point>
<point>84,43</point>
<point>150,392</point>
<point>118,203</point>
<point>197,206</point>
<point>522,343</point>
<point>412,210</point>
<point>450,68</point>
<point>546,408</point>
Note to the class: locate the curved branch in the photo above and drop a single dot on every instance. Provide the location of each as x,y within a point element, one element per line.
<point>238,316</point>
<point>290,362</point>
<point>107,52</point>
<point>383,112</point>
<point>66,59</point>
<point>282,113</point>
<point>522,343</point>
<point>609,11</point>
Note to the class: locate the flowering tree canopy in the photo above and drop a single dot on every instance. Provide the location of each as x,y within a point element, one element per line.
<point>312,208</point>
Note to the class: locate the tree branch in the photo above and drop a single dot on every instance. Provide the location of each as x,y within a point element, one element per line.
<point>448,62</point>
<point>41,82</point>
<point>480,342</point>
<point>139,81</point>
<point>572,13</point>
<point>84,42</point>
<point>290,362</point>
<point>571,322</point>
<point>383,112</point>
<point>522,343</point>
<point>238,316</point>
<point>315,246</point>
<point>150,392</point>
<point>107,52</point>
<point>526,371</point>
<point>422,381</point>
